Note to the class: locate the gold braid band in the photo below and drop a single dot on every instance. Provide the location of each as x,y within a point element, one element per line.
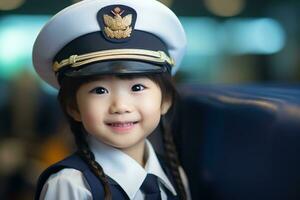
<point>136,54</point>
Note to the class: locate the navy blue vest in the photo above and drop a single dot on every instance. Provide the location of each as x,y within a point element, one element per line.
<point>74,161</point>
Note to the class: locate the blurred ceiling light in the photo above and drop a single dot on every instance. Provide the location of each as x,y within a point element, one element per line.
<point>225,8</point>
<point>167,2</point>
<point>11,4</point>
<point>208,37</point>
<point>202,34</point>
<point>256,36</point>
<point>17,35</point>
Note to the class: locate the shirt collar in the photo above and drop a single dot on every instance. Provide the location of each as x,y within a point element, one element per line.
<point>153,167</point>
<point>121,167</point>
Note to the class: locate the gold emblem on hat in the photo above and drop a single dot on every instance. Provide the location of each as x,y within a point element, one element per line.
<point>117,26</point>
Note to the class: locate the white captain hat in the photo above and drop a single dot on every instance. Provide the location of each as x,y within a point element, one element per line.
<point>95,37</point>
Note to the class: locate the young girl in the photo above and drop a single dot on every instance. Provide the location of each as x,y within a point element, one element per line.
<point>112,63</point>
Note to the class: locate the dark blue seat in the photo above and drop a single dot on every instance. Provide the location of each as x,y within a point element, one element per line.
<point>240,142</point>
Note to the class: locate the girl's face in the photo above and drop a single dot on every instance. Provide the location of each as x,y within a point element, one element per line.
<point>120,112</point>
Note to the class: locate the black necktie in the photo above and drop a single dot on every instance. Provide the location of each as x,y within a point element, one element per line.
<point>150,188</point>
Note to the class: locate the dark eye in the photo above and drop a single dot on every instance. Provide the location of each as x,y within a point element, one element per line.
<point>99,90</point>
<point>137,87</point>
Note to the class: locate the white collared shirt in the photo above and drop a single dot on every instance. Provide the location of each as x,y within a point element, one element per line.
<point>71,184</point>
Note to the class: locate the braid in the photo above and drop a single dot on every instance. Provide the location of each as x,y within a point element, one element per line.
<point>87,155</point>
<point>172,158</point>
<point>169,92</point>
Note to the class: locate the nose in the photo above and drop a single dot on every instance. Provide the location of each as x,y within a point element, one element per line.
<point>120,105</point>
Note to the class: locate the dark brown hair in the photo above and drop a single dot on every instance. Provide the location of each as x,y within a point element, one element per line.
<point>67,98</point>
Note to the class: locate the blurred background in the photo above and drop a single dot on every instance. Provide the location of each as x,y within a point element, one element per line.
<point>229,42</point>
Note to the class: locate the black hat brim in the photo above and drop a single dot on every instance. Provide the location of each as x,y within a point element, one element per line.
<point>117,67</point>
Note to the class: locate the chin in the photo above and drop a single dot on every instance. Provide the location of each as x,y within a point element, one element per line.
<point>124,144</point>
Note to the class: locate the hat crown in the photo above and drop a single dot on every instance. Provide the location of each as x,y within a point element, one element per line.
<point>128,17</point>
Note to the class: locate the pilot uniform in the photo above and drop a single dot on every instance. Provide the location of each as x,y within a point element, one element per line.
<point>73,183</point>
<point>108,37</point>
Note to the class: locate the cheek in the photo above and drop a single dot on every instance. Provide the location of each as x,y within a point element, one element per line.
<point>151,117</point>
<point>91,112</point>
<point>151,106</point>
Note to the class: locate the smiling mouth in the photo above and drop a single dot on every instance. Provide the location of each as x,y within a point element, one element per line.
<point>122,124</point>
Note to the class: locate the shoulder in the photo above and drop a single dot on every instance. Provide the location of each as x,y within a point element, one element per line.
<point>69,163</point>
<point>66,184</point>
<point>68,175</point>
<point>60,174</point>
